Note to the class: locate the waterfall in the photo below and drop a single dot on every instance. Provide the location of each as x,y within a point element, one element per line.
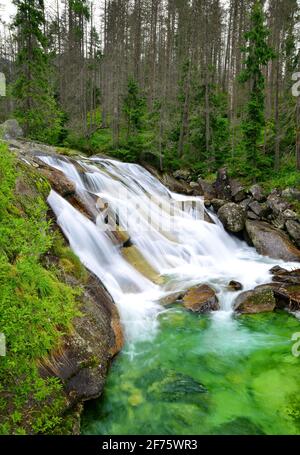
<point>167,229</point>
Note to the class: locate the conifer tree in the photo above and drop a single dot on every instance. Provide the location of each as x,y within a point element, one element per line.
<point>33,90</point>
<point>258,54</point>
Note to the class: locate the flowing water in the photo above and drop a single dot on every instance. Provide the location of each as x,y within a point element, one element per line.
<point>179,373</point>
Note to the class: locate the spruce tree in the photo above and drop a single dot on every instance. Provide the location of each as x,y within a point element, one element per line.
<point>258,54</point>
<point>36,107</point>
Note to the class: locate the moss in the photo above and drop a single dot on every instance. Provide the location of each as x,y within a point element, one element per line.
<point>37,307</point>
<point>68,263</point>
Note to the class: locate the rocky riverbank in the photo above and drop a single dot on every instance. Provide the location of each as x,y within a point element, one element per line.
<point>268,221</point>
<point>81,359</point>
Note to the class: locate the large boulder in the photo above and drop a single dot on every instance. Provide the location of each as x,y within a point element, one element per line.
<point>293,228</point>
<point>268,241</point>
<point>82,361</point>
<point>232,217</point>
<point>260,209</point>
<point>11,130</point>
<point>201,299</point>
<point>256,301</point>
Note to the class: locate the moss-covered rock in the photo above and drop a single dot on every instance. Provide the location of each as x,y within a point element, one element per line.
<point>256,301</point>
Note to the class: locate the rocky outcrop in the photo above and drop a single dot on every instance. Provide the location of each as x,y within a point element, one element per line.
<point>83,358</point>
<point>232,217</point>
<point>256,301</point>
<point>271,242</point>
<point>58,181</point>
<point>201,299</point>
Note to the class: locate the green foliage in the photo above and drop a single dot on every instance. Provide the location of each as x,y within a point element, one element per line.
<point>36,307</point>
<point>258,53</point>
<point>36,107</point>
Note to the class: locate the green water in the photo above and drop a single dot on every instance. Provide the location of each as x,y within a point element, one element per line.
<point>204,375</point>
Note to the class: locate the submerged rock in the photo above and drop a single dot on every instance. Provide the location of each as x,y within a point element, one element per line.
<point>201,299</point>
<point>256,301</point>
<point>268,241</point>
<point>232,217</point>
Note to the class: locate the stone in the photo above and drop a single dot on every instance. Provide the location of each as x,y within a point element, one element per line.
<point>182,174</point>
<point>251,215</point>
<point>245,203</point>
<point>201,299</point>
<point>207,189</point>
<point>11,130</point>
<point>276,204</point>
<point>260,209</point>
<point>217,204</point>
<point>293,228</point>
<point>290,214</point>
<point>256,192</point>
<point>232,217</point>
<point>235,285</point>
<point>271,242</point>
<point>238,192</point>
<point>256,301</point>
<point>277,270</point>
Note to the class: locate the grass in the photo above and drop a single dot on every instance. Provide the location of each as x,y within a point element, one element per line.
<point>36,306</point>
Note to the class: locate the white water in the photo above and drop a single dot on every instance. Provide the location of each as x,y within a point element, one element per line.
<point>182,248</point>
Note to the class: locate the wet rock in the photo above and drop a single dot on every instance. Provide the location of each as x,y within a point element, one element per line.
<point>11,130</point>
<point>293,228</point>
<point>137,260</point>
<point>238,192</point>
<point>218,203</point>
<point>232,217</point>
<point>222,185</point>
<point>256,192</point>
<point>58,181</point>
<point>271,242</point>
<point>201,299</point>
<point>256,301</point>
<point>172,298</point>
<point>260,209</point>
<point>287,296</point>
<point>277,270</point>
<point>285,276</point>
<point>235,285</point>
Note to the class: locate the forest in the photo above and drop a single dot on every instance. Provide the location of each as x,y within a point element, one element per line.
<point>196,84</point>
<point>149,220</point>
